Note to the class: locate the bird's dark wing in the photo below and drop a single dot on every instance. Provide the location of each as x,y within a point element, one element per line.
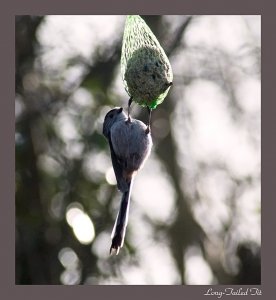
<point>118,168</point>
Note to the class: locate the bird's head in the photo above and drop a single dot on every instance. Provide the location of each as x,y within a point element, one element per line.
<point>114,115</point>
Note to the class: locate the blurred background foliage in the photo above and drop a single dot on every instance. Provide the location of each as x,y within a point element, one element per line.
<point>195,211</point>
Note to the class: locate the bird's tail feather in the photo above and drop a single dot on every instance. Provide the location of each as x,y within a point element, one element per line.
<point>119,229</point>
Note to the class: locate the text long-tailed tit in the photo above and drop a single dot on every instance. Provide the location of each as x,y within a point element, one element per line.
<point>130,145</point>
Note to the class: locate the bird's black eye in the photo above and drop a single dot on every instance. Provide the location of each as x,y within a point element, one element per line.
<point>111,116</point>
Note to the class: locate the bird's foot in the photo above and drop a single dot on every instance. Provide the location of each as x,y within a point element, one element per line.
<point>128,107</point>
<point>128,120</point>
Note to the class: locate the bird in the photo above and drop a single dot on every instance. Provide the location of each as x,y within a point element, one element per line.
<point>130,145</point>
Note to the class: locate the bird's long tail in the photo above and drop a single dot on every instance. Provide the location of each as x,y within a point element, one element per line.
<point>119,229</point>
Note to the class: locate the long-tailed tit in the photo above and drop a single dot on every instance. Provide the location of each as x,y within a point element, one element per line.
<point>130,145</point>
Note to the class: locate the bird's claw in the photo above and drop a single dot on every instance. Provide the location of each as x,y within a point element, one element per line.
<point>128,119</point>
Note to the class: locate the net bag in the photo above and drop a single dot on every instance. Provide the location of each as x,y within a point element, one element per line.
<point>145,68</point>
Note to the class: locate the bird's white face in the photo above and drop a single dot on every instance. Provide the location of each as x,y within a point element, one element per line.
<point>114,115</point>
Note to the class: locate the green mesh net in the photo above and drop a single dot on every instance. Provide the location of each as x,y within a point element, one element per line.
<point>145,68</point>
